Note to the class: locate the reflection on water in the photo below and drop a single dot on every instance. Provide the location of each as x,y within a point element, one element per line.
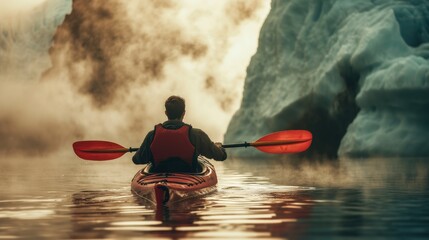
<point>242,209</point>
<point>255,200</point>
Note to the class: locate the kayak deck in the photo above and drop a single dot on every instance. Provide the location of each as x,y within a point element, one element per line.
<point>167,188</point>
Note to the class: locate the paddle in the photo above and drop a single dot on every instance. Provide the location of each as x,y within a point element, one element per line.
<point>100,150</point>
<point>289,141</point>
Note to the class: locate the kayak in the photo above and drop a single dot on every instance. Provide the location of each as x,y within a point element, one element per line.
<point>164,189</point>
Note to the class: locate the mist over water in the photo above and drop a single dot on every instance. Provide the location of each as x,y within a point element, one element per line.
<point>73,70</point>
<point>256,198</point>
<point>104,71</point>
<point>369,173</point>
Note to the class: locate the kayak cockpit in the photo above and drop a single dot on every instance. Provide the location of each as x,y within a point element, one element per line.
<point>166,188</point>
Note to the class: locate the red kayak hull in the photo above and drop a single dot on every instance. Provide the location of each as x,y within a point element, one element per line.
<point>163,189</point>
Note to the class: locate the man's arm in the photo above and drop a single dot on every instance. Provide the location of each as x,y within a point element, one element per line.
<point>143,155</point>
<point>207,147</point>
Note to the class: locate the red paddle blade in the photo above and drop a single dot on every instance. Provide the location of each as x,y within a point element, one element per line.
<point>289,141</point>
<point>98,150</point>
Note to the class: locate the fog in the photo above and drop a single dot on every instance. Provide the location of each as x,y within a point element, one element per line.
<point>368,173</point>
<point>10,8</point>
<point>106,70</point>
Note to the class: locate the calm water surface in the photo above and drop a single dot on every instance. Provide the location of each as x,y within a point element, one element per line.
<point>68,198</point>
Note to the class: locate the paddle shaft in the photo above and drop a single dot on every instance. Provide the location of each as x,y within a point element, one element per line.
<point>235,145</point>
<point>288,141</point>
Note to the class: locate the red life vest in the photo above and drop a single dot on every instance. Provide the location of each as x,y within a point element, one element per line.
<point>170,144</point>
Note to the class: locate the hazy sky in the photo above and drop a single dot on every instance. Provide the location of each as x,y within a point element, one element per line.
<point>10,8</point>
<point>114,63</point>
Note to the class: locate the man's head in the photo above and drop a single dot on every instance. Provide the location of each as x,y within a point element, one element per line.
<point>175,108</point>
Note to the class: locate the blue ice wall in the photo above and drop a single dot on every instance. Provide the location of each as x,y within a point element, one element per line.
<point>355,73</point>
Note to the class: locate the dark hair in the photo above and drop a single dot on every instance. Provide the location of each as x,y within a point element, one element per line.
<point>174,107</point>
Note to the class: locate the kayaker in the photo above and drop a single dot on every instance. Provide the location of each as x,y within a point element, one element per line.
<point>174,146</point>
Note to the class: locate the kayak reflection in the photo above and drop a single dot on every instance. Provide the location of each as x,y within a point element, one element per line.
<point>227,213</point>
<point>244,206</point>
<point>94,214</point>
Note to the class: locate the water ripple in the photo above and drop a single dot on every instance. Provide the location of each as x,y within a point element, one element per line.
<point>245,206</point>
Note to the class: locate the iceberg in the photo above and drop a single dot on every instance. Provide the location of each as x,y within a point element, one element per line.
<point>354,73</point>
<point>25,39</point>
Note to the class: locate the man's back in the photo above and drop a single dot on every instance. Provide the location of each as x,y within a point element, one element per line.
<point>199,139</point>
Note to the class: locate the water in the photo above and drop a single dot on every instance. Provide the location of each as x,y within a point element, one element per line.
<point>67,198</point>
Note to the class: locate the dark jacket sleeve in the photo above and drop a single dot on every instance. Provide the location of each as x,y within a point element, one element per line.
<point>144,155</point>
<point>204,146</point>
